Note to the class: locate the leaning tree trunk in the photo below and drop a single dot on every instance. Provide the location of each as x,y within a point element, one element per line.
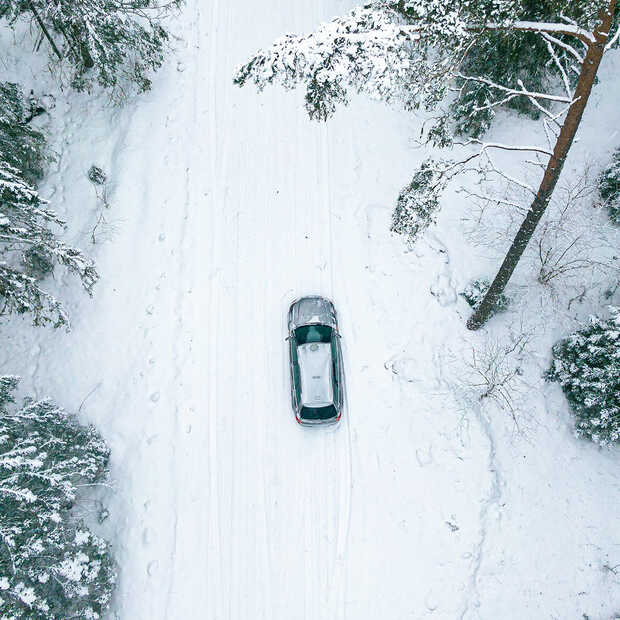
<point>590,66</point>
<point>44,29</point>
<point>87,59</point>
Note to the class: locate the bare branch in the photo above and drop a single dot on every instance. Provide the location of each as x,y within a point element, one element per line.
<point>569,48</point>
<point>495,200</point>
<point>510,178</point>
<point>561,69</point>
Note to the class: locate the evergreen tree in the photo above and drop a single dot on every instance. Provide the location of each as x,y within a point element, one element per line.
<point>113,43</point>
<point>609,187</point>
<point>26,238</point>
<point>587,366</point>
<point>51,565</point>
<point>495,53</point>
<point>22,147</point>
<point>418,203</point>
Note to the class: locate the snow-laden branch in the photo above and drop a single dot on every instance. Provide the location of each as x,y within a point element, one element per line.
<point>523,92</point>
<point>551,28</point>
<point>505,147</point>
<point>560,68</point>
<point>613,40</point>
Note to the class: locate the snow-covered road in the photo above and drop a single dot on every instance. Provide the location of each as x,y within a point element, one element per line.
<point>227,205</point>
<point>250,516</point>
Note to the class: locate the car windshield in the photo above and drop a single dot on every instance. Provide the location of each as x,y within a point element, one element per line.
<point>313,333</point>
<point>318,413</point>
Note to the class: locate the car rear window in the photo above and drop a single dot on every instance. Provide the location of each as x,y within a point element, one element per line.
<point>318,413</point>
<point>313,333</point>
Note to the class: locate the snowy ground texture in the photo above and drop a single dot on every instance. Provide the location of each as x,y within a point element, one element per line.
<point>225,206</point>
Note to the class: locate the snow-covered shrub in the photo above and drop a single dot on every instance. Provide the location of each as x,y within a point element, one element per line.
<point>113,43</point>
<point>609,187</point>
<point>475,291</point>
<point>26,221</point>
<point>51,565</point>
<point>418,203</point>
<point>96,175</point>
<point>587,366</point>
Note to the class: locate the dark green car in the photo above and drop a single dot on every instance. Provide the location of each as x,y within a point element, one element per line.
<point>317,375</point>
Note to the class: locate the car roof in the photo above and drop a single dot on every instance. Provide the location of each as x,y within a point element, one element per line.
<point>315,368</point>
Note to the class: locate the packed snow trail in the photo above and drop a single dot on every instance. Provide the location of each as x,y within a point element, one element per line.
<point>234,204</point>
<point>225,206</point>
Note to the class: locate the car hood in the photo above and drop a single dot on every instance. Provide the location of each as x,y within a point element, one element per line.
<point>309,310</point>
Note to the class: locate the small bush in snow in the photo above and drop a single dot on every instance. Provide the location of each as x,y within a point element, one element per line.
<point>96,175</point>
<point>51,565</point>
<point>587,366</point>
<point>418,203</point>
<point>475,291</point>
<point>609,186</point>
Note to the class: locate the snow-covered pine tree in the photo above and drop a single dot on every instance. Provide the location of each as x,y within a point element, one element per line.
<point>115,43</point>
<point>412,52</point>
<point>418,203</point>
<point>609,187</point>
<point>51,565</point>
<point>587,366</point>
<point>26,238</point>
<point>22,147</point>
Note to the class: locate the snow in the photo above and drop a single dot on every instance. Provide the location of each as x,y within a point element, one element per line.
<point>225,206</point>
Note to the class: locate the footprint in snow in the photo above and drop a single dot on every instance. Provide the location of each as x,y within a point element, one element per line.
<point>424,457</point>
<point>404,368</point>
<point>146,536</point>
<point>152,567</point>
<point>443,289</point>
